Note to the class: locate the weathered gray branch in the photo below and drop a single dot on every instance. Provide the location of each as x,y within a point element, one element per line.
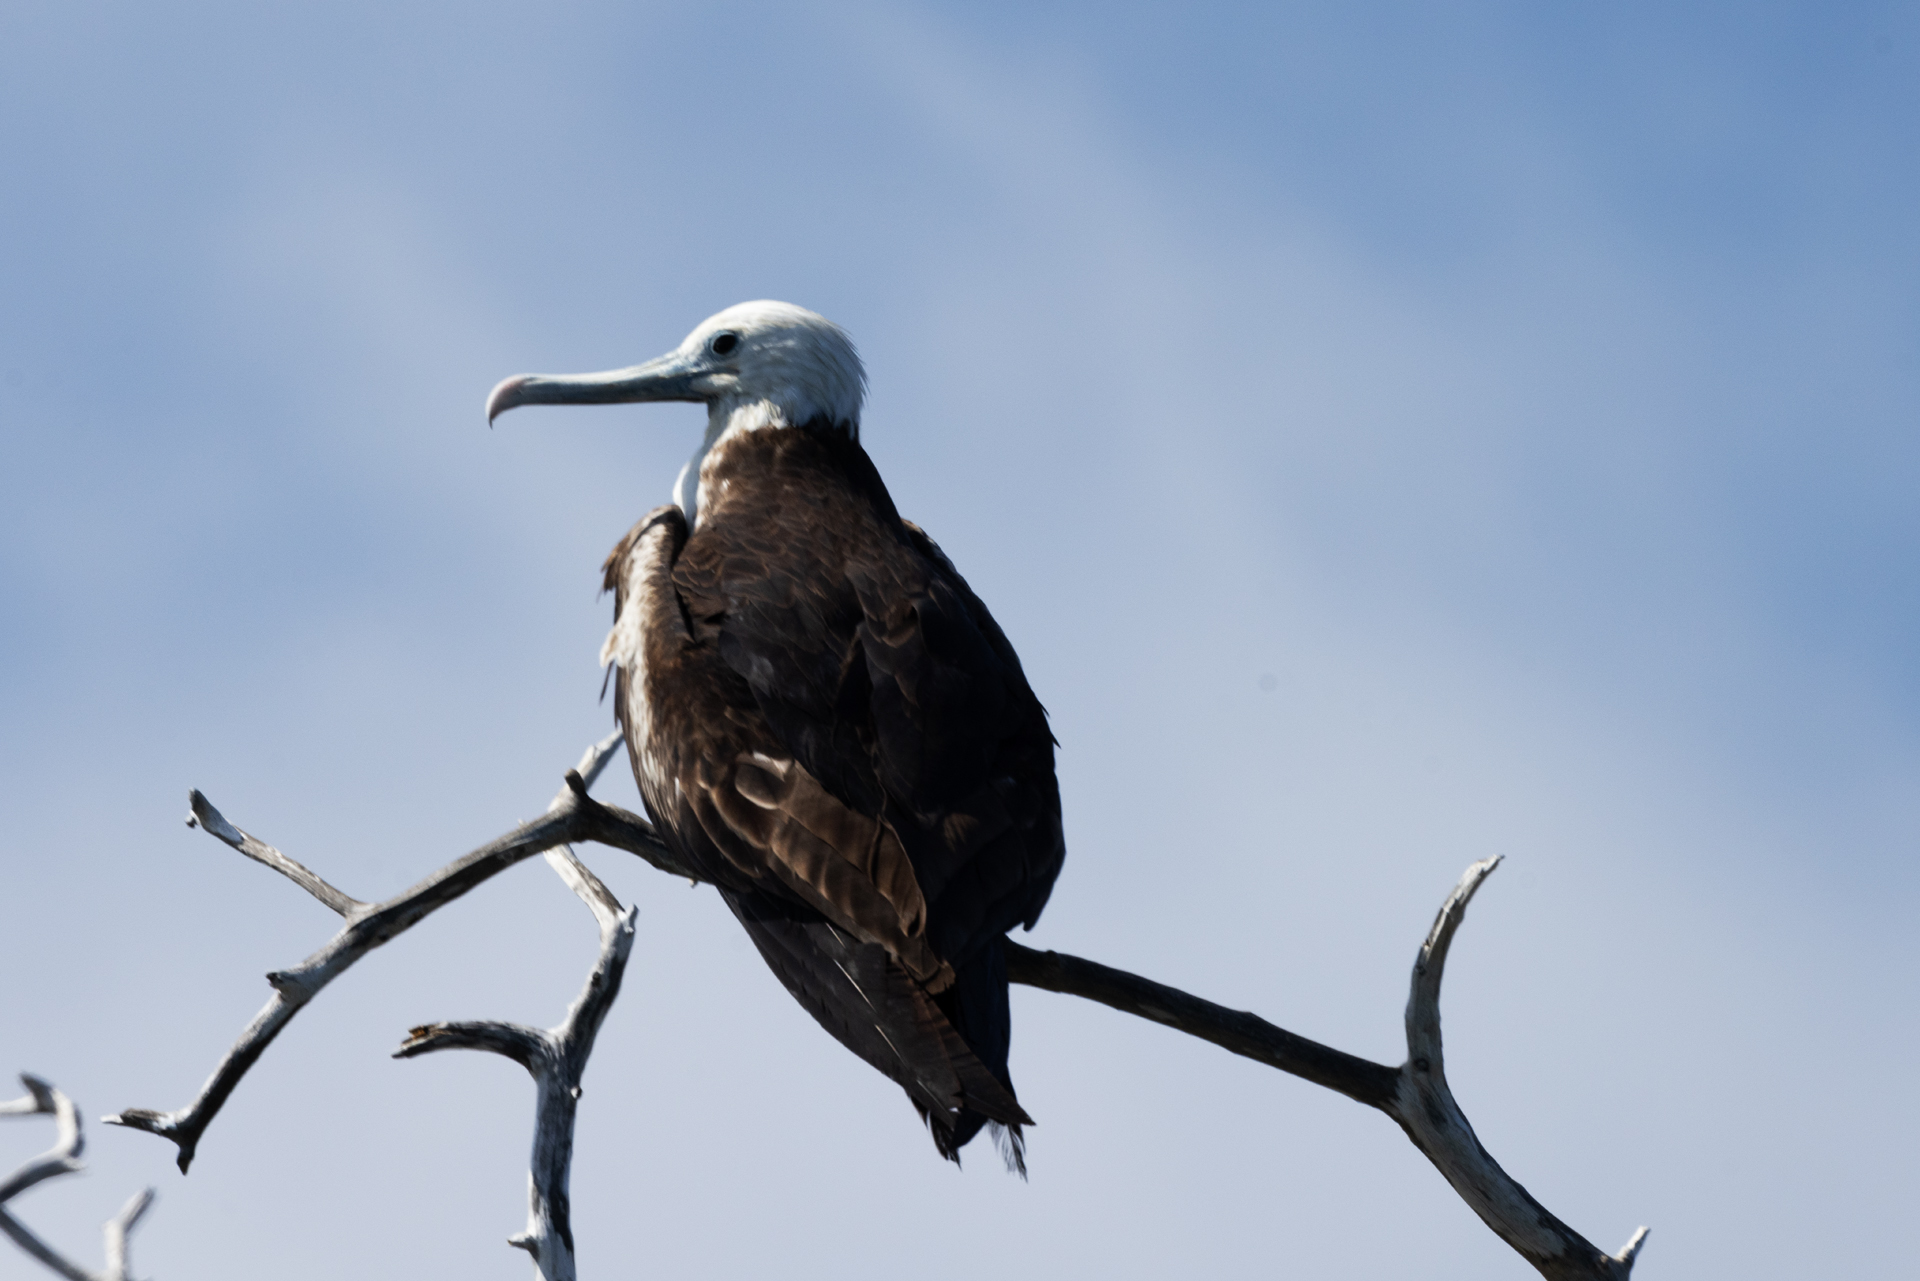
<point>556,1059</point>
<point>1415,1094</point>
<point>205,816</point>
<point>63,1158</point>
<point>573,817</point>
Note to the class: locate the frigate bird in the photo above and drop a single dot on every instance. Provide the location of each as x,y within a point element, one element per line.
<point>822,716</point>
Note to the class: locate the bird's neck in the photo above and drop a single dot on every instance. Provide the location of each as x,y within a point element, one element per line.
<point>726,419</point>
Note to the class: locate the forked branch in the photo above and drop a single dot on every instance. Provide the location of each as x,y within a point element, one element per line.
<point>573,816</point>
<point>556,1059</point>
<point>63,1158</point>
<point>1415,1094</point>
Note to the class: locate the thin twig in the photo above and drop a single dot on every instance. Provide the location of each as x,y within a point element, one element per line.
<point>63,1158</point>
<point>118,1229</point>
<point>576,875</point>
<point>205,816</point>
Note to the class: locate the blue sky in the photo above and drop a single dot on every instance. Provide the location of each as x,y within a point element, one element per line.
<point>1390,435</point>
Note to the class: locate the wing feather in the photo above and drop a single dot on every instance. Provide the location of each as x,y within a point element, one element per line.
<point>827,721</point>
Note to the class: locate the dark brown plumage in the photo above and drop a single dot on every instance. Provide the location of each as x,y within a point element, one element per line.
<point>827,722</point>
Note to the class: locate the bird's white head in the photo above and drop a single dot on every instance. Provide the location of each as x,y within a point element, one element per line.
<point>755,365</point>
<point>782,363</point>
<point>773,363</point>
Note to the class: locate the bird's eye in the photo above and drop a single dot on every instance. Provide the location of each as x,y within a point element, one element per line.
<point>724,342</point>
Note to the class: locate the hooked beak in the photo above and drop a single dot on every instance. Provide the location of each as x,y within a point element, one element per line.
<point>671,377</point>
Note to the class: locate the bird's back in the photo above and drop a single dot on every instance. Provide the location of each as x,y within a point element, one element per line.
<point>826,718</point>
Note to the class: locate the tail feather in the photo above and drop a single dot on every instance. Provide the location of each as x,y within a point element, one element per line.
<point>1009,1140</point>
<point>857,992</point>
<point>1012,1143</point>
<point>976,1007</point>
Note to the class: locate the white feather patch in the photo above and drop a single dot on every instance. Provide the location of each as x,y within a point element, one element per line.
<point>625,648</point>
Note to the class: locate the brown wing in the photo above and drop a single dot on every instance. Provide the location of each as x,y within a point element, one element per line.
<point>826,719</point>
<point>857,992</point>
<point>878,672</point>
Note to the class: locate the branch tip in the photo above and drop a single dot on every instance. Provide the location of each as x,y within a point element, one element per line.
<point>205,815</point>
<point>1470,882</point>
<point>136,1206</point>
<point>41,1098</point>
<point>1433,952</point>
<point>595,758</point>
<point>529,1047</point>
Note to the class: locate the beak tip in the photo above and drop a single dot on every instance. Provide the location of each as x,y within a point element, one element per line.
<point>505,396</point>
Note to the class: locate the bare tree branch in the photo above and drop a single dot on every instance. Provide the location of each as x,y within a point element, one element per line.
<point>63,1158</point>
<point>39,1100</point>
<point>204,815</point>
<point>1426,1110</point>
<point>118,1229</point>
<point>1415,1094</point>
<point>1244,1034</point>
<point>576,875</point>
<point>556,1059</point>
<point>574,816</point>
